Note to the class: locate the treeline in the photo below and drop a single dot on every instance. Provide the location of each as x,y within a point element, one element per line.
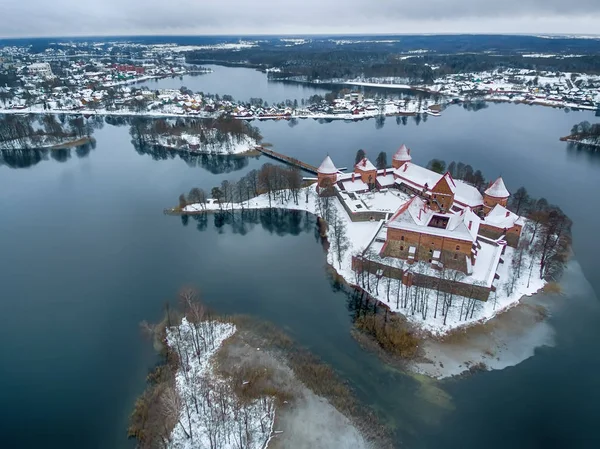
<point>215,134</point>
<point>31,131</point>
<point>323,59</point>
<point>279,183</point>
<point>585,133</point>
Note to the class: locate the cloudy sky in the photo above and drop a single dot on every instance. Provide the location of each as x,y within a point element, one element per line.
<point>24,18</point>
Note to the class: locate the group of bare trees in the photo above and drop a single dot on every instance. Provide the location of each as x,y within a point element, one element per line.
<point>213,135</point>
<point>189,404</point>
<point>440,293</point>
<point>31,131</point>
<point>280,184</point>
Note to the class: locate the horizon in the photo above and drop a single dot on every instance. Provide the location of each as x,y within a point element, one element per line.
<point>314,35</point>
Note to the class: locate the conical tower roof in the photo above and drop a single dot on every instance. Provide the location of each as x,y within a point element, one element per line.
<point>327,167</point>
<point>403,154</point>
<point>498,189</point>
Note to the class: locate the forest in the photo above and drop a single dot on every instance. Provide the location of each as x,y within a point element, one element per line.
<point>418,59</point>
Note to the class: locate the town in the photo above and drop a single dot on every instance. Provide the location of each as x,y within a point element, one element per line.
<point>100,79</point>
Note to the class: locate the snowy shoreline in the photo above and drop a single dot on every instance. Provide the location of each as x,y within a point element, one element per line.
<point>225,384</point>
<point>29,144</point>
<point>360,235</point>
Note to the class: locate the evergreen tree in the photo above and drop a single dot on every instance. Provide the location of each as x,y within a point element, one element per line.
<point>360,154</point>
<point>381,161</point>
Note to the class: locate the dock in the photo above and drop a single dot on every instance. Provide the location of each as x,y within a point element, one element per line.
<point>287,159</point>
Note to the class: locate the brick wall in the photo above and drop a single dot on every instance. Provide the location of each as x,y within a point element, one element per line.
<point>453,252</point>
<point>512,235</point>
<point>445,285</point>
<point>489,202</point>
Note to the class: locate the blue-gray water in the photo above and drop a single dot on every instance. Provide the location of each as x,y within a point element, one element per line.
<point>86,254</point>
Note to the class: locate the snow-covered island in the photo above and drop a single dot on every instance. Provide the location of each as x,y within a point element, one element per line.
<point>584,134</point>
<point>437,250</point>
<point>226,384</point>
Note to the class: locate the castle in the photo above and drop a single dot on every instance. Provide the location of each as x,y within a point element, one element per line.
<point>427,216</point>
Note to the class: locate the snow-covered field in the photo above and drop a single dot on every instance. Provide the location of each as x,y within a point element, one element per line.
<point>210,415</point>
<point>361,234</point>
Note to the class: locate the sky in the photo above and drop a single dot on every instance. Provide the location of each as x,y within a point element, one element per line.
<point>41,18</point>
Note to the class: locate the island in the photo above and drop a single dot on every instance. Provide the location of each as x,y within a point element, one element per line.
<point>439,247</point>
<point>584,134</point>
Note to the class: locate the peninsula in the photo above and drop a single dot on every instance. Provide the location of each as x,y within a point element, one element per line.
<point>443,248</point>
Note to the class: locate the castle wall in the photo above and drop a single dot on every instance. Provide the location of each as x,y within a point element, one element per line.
<point>435,283</point>
<point>512,234</point>
<point>452,251</point>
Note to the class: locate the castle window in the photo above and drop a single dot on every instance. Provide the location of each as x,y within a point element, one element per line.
<point>431,251</point>
<point>457,247</point>
<point>402,248</point>
<point>455,256</point>
<point>402,238</point>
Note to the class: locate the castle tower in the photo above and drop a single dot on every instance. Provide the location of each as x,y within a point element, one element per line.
<point>367,172</point>
<point>401,156</point>
<point>326,174</point>
<point>496,193</point>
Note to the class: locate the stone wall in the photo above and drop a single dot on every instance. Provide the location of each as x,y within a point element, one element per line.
<point>445,285</point>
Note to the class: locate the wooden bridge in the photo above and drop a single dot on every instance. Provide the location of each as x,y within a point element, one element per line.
<point>288,160</point>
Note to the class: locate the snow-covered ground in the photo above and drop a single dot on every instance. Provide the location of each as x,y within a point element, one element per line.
<point>210,415</point>
<point>39,142</point>
<point>361,234</point>
<point>193,144</point>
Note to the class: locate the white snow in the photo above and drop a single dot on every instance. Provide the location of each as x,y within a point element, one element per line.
<point>327,167</point>
<point>403,154</point>
<point>196,381</point>
<point>498,189</point>
<point>502,218</point>
<point>365,165</point>
<point>362,234</point>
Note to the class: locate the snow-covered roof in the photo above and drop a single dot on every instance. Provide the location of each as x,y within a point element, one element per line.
<point>365,165</point>
<point>386,180</point>
<point>327,167</point>
<point>403,154</point>
<point>417,176</point>
<point>498,189</point>
<point>416,216</point>
<point>501,217</point>
<point>355,186</point>
<point>467,195</point>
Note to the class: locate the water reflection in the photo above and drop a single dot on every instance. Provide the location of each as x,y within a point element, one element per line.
<point>214,163</point>
<point>26,158</point>
<point>280,222</point>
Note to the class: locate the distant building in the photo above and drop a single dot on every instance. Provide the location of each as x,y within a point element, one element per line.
<point>41,69</point>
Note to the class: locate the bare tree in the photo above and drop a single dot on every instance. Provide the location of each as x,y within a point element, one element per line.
<point>339,238</point>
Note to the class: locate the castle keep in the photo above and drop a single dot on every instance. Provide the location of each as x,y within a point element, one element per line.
<point>426,216</point>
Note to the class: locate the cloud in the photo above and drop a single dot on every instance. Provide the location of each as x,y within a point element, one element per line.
<point>131,17</point>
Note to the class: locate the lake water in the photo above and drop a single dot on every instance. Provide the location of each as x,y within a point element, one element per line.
<point>86,254</point>
<point>241,84</point>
